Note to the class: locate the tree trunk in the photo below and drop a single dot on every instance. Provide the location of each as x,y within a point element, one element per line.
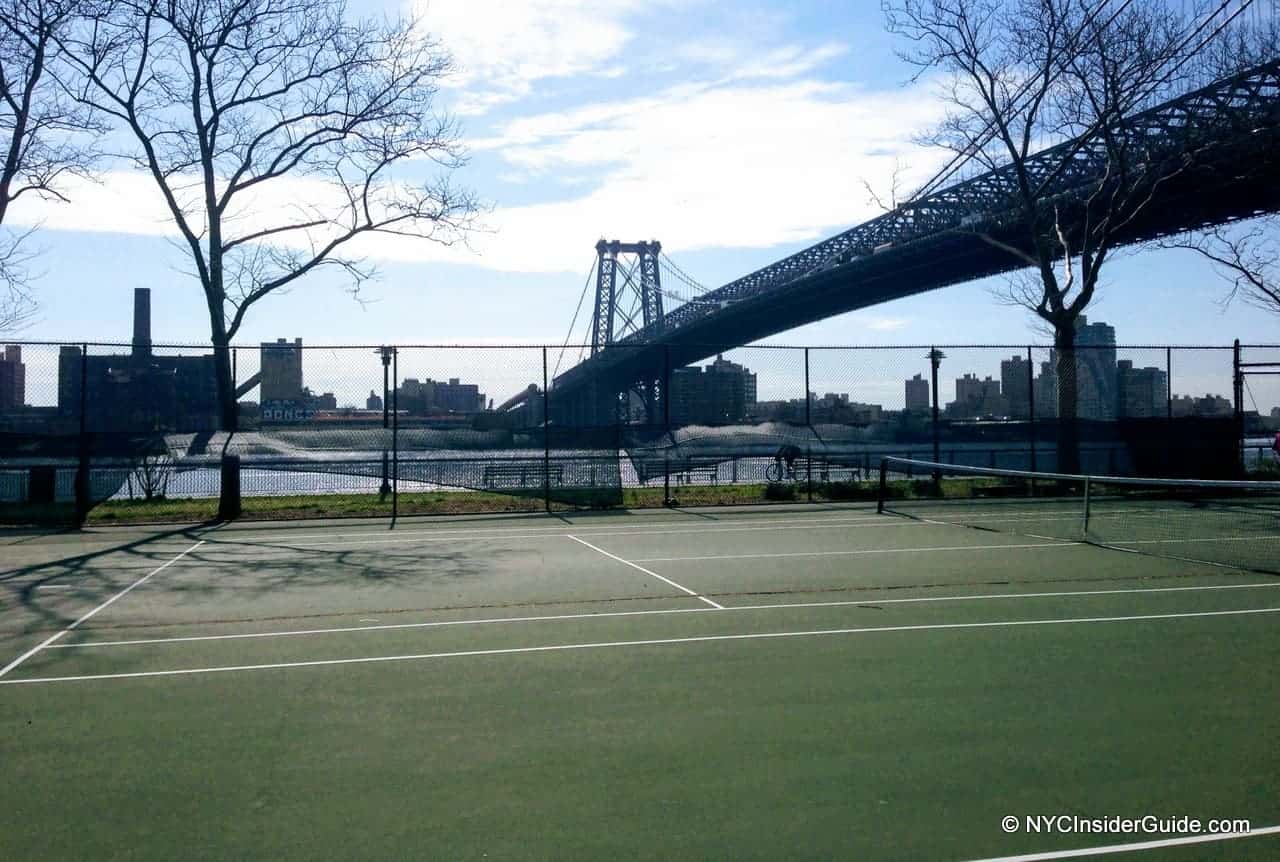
<point>1064,342</point>
<point>228,408</point>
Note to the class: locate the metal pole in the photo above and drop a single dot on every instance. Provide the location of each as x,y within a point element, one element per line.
<point>546,439</point>
<point>1084,526</point>
<point>1031,405</point>
<point>1168,382</point>
<point>666,419</point>
<point>808,398</point>
<point>884,485</point>
<point>395,436</point>
<point>82,468</point>
<point>935,359</point>
<point>386,392</point>
<point>1237,376</point>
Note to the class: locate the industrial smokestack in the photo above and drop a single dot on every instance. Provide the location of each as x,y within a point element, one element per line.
<point>142,322</point>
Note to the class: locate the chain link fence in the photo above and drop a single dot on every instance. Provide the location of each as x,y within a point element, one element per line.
<point>128,432</point>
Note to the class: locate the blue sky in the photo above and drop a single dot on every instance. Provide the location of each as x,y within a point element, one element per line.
<point>734,133</point>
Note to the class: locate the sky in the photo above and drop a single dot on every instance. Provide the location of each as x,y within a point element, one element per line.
<point>733,133</point>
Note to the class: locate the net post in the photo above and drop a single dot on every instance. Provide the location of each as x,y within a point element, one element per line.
<point>1084,524</point>
<point>884,485</point>
<point>808,460</point>
<point>546,438</point>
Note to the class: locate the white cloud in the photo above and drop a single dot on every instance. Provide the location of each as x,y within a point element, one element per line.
<point>698,166</point>
<point>503,48</point>
<point>884,324</point>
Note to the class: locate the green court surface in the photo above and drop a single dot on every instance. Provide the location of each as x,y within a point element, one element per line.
<point>776,683</point>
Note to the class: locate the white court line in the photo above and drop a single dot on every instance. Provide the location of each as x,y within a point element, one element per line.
<point>861,552</point>
<point>830,524</point>
<point>871,600</point>
<point>142,580</point>
<point>1189,541</point>
<point>560,529</point>
<point>681,587</point>
<point>1131,848</point>
<point>649,642</point>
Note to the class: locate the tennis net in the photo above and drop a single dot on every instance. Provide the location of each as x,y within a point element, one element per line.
<point>1221,523</point>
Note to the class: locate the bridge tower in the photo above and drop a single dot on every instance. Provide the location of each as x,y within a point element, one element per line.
<point>628,299</point>
<point>624,308</point>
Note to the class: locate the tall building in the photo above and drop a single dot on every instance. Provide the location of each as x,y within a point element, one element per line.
<point>281,365</point>
<point>1045,393</point>
<point>917,399</point>
<point>719,393</point>
<point>975,397</point>
<point>139,391</point>
<point>1141,392</point>
<point>1095,370</point>
<point>1096,383</point>
<point>1015,386</point>
<point>13,378</point>
<point>724,366</point>
<point>1208,405</point>
<point>426,397</point>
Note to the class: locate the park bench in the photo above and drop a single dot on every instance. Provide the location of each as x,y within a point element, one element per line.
<point>523,474</point>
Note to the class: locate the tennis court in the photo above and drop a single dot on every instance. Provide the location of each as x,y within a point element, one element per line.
<point>803,682</point>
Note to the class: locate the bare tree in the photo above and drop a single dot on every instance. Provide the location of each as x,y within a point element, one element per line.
<point>152,475</point>
<point>1025,74</point>
<point>42,132</point>
<point>1247,256</point>
<point>278,132</point>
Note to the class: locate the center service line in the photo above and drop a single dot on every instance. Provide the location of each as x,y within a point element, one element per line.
<point>647,572</point>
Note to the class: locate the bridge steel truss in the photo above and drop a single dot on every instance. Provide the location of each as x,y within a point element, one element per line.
<point>640,282</point>
<point>1224,137</point>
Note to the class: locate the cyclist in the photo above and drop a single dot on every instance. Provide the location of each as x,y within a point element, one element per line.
<point>788,452</point>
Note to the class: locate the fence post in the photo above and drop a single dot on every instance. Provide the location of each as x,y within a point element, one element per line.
<point>1168,381</point>
<point>808,398</point>
<point>384,489</point>
<point>935,360</point>
<point>1031,404</point>
<point>82,501</point>
<point>546,436</point>
<point>1237,402</point>
<point>666,424</point>
<point>395,435</point>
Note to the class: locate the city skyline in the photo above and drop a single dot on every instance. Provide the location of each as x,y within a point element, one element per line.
<point>1201,372</point>
<point>666,127</point>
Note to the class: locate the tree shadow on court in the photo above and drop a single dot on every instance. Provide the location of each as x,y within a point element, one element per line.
<point>90,577</point>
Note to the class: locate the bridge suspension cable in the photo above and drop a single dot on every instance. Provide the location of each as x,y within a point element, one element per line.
<point>569,335</point>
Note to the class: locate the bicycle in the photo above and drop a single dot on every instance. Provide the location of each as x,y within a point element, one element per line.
<point>775,472</point>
